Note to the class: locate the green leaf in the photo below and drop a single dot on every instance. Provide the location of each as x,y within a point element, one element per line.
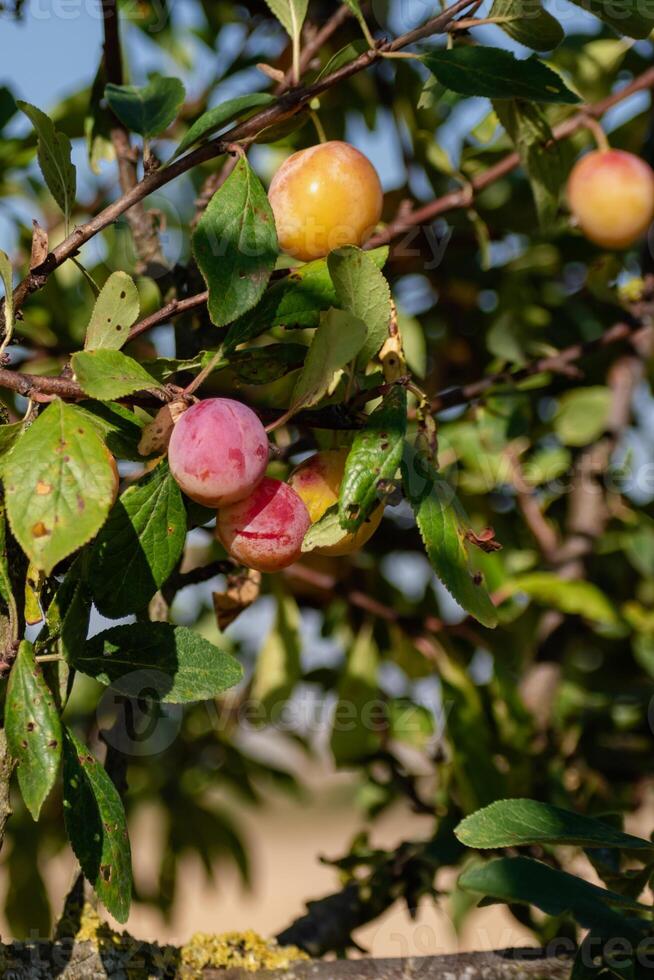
<point>53,152</point>
<point>278,666</point>
<point>532,26</point>
<point>543,157</point>
<point>290,14</point>
<point>355,7</point>
<point>631,17</point>
<point>148,110</point>
<point>214,119</point>
<point>517,823</point>
<point>116,309</point>
<point>108,374</point>
<point>575,598</point>
<point>174,664</point>
<point>68,615</point>
<point>530,882</point>
<point>33,729</point>
<point>363,291</point>
<point>374,458</point>
<point>297,300</point>
<point>497,74</point>
<point>360,713</point>
<point>138,547</point>
<point>9,436</point>
<point>336,342</point>
<point>261,365</point>
<point>443,534</point>
<point>7,276</point>
<point>60,482</point>
<point>410,723</point>
<point>582,415</point>
<point>96,827</point>
<point>235,245</point>
<point>325,532</point>
<point>119,428</point>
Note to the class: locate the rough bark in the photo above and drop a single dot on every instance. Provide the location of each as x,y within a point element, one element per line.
<point>83,961</point>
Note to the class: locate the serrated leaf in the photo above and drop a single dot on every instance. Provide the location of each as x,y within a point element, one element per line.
<point>214,119</point>
<point>337,341</point>
<point>497,74</point>
<point>531,25</point>
<point>53,152</point>
<point>69,613</point>
<point>172,663</point>
<point>582,415</point>
<point>116,309</point>
<point>631,17</point>
<point>520,822</point>
<point>290,14</point>
<point>325,532</point>
<point>543,157</point>
<point>235,245</point>
<point>119,428</point>
<point>110,374</point>
<point>147,110</point>
<point>96,827</point>
<point>375,457</point>
<point>33,729</point>
<point>297,300</point>
<point>138,547</point>
<point>362,290</point>
<point>571,597</point>
<point>6,274</point>
<point>553,891</point>
<point>60,482</point>
<point>436,511</point>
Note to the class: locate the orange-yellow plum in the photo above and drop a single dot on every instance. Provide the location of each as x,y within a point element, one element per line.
<point>325,197</point>
<point>265,531</point>
<point>611,194</point>
<point>318,482</point>
<point>218,451</point>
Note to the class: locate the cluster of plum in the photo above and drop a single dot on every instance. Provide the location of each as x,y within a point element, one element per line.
<point>323,197</point>
<point>218,455</point>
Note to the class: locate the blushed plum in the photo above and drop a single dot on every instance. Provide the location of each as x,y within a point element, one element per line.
<point>611,194</point>
<point>318,482</point>
<point>265,531</point>
<point>218,451</point>
<point>324,197</point>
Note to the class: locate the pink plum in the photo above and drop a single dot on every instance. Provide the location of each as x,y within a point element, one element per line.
<point>265,531</point>
<point>218,451</point>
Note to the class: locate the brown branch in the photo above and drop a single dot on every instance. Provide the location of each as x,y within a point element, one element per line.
<point>146,241</point>
<point>633,331</point>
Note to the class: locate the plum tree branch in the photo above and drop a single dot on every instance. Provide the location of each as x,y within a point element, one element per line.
<point>152,261</point>
<point>286,106</point>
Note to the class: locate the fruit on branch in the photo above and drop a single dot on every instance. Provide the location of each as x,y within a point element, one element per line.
<point>318,482</point>
<point>611,194</point>
<point>325,197</point>
<point>265,531</point>
<point>218,451</point>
